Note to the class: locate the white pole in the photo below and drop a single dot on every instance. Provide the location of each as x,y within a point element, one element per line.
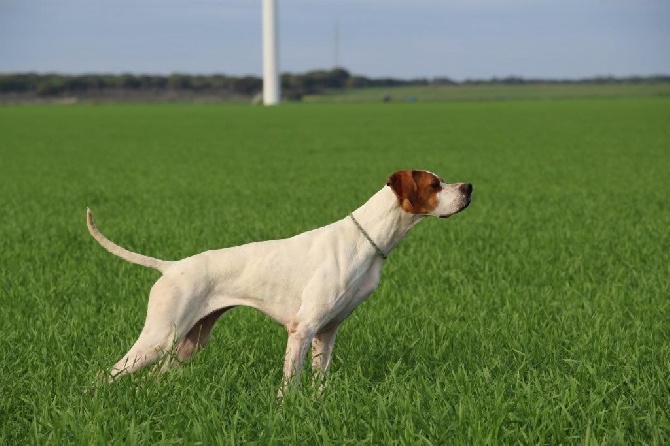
<point>271,86</point>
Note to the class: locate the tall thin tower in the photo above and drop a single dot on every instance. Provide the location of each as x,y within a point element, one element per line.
<point>271,86</point>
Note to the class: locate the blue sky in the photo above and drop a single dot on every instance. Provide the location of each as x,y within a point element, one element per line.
<point>400,38</point>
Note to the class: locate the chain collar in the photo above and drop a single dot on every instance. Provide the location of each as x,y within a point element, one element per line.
<point>365,234</point>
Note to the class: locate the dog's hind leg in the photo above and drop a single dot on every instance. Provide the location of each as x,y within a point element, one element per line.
<point>167,321</point>
<point>152,345</point>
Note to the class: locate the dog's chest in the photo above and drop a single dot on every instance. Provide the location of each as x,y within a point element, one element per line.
<point>369,281</point>
<point>363,287</point>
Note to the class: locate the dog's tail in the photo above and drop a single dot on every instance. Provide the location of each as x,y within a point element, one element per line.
<point>133,257</point>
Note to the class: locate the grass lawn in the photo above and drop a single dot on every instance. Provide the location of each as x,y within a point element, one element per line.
<point>541,314</point>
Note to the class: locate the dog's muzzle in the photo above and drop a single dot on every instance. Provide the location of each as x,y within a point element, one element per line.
<point>466,189</point>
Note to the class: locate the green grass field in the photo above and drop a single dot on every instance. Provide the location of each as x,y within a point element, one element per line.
<point>540,315</point>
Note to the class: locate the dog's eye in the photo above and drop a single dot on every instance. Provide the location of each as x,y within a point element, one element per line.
<point>436,185</point>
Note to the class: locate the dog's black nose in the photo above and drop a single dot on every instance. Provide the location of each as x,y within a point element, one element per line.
<point>466,188</point>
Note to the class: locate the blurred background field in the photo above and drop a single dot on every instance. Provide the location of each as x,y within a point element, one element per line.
<point>494,92</point>
<point>333,85</point>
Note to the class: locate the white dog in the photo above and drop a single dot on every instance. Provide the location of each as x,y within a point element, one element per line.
<point>309,283</point>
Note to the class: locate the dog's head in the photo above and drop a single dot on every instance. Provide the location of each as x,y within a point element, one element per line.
<point>424,193</point>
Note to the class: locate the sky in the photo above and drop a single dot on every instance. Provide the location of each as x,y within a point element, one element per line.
<point>459,39</point>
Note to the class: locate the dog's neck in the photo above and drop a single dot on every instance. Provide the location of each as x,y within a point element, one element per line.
<point>382,218</point>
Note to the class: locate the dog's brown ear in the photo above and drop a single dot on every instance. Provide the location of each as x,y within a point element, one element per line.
<point>404,186</point>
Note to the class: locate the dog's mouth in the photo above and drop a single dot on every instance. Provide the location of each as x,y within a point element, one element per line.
<point>467,203</point>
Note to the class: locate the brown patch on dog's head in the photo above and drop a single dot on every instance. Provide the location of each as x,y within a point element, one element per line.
<point>416,190</point>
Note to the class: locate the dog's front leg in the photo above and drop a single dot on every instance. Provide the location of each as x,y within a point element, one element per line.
<point>322,351</point>
<point>299,338</point>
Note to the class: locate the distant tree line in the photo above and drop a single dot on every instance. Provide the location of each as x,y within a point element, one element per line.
<point>294,86</point>
<point>47,85</point>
